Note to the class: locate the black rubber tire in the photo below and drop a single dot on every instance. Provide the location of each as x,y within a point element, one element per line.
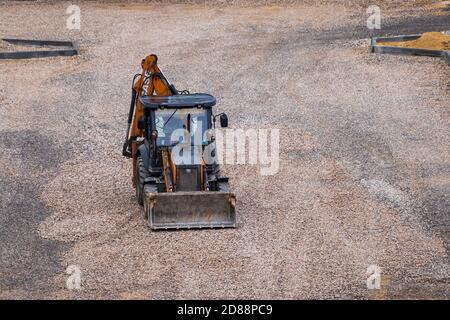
<point>141,175</point>
<point>223,187</point>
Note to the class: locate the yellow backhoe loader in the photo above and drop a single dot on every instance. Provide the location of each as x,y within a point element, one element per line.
<point>170,138</point>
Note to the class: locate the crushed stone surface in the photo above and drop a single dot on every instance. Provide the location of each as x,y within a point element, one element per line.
<point>363,177</point>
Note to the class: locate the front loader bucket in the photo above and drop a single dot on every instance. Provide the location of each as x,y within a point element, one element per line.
<point>186,210</point>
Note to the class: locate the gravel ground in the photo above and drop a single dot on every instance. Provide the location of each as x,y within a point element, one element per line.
<point>364,158</point>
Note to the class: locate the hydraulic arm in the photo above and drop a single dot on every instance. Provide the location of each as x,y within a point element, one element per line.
<point>151,81</point>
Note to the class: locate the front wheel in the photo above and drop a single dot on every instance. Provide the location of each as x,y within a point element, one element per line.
<point>223,187</point>
<point>141,174</point>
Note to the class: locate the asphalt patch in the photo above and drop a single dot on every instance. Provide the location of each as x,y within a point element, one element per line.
<point>27,261</point>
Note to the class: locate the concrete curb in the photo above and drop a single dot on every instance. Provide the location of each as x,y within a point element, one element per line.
<point>69,48</point>
<point>375,48</point>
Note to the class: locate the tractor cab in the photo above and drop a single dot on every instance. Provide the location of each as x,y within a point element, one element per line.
<point>180,118</point>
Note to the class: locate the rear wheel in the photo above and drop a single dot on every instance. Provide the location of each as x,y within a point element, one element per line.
<point>141,175</point>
